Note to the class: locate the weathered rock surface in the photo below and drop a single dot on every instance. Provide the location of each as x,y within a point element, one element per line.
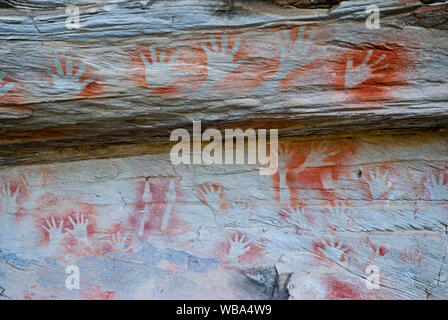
<point>304,71</point>
<point>362,184</point>
<point>140,227</point>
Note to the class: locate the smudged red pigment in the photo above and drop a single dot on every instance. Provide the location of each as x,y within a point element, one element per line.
<point>18,188</point>
<point>69,242</point>
<point>413,255</point>
<point>338,290</point>
<point>298,174</point>
<point>388,63</point>
<point>376,250</point>
<point>320,249</point>
<point>94,292</point>
<point>154,211</point>
<point>15,95</point>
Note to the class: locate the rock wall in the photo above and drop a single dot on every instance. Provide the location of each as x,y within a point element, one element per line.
<point>140,227</point>
<point>133,72</point>
<point>358,208</point>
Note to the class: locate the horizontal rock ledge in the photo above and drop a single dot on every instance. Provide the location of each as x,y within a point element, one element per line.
<point>132,73</point>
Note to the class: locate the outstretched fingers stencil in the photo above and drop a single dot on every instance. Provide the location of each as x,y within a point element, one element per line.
<point>295,216</point>
<point>118,242</point>
<point>56,232</point>
<point>160,70</point>
<point>68,81</point>
<point>220,59</point>
<point>369,73</point>
<point>437,189</point>
<point>31,177</point>
<point>339,218</point>
<point>377,182</point>
<point>294,54</point>
<point>239,245</point>
<point>318,157</point>
<point>8,199</point>
<point>333,249</point>
<point>79,227</point>
<point>365,70</point>
<point>212,195</point>
<point>292,164</point>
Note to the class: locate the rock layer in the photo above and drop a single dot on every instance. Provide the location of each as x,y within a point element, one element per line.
<point>306,71</point>
<point>361,191</point>
<point>141,227</point>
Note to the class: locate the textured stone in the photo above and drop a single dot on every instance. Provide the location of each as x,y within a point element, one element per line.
<point>319,86</point>
<point>362,182</point>
<point>154,230</point>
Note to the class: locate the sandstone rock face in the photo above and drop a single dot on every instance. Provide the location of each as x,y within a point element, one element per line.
<point>136,70</point>
<point>86,180</point>
<point>140,227</point>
